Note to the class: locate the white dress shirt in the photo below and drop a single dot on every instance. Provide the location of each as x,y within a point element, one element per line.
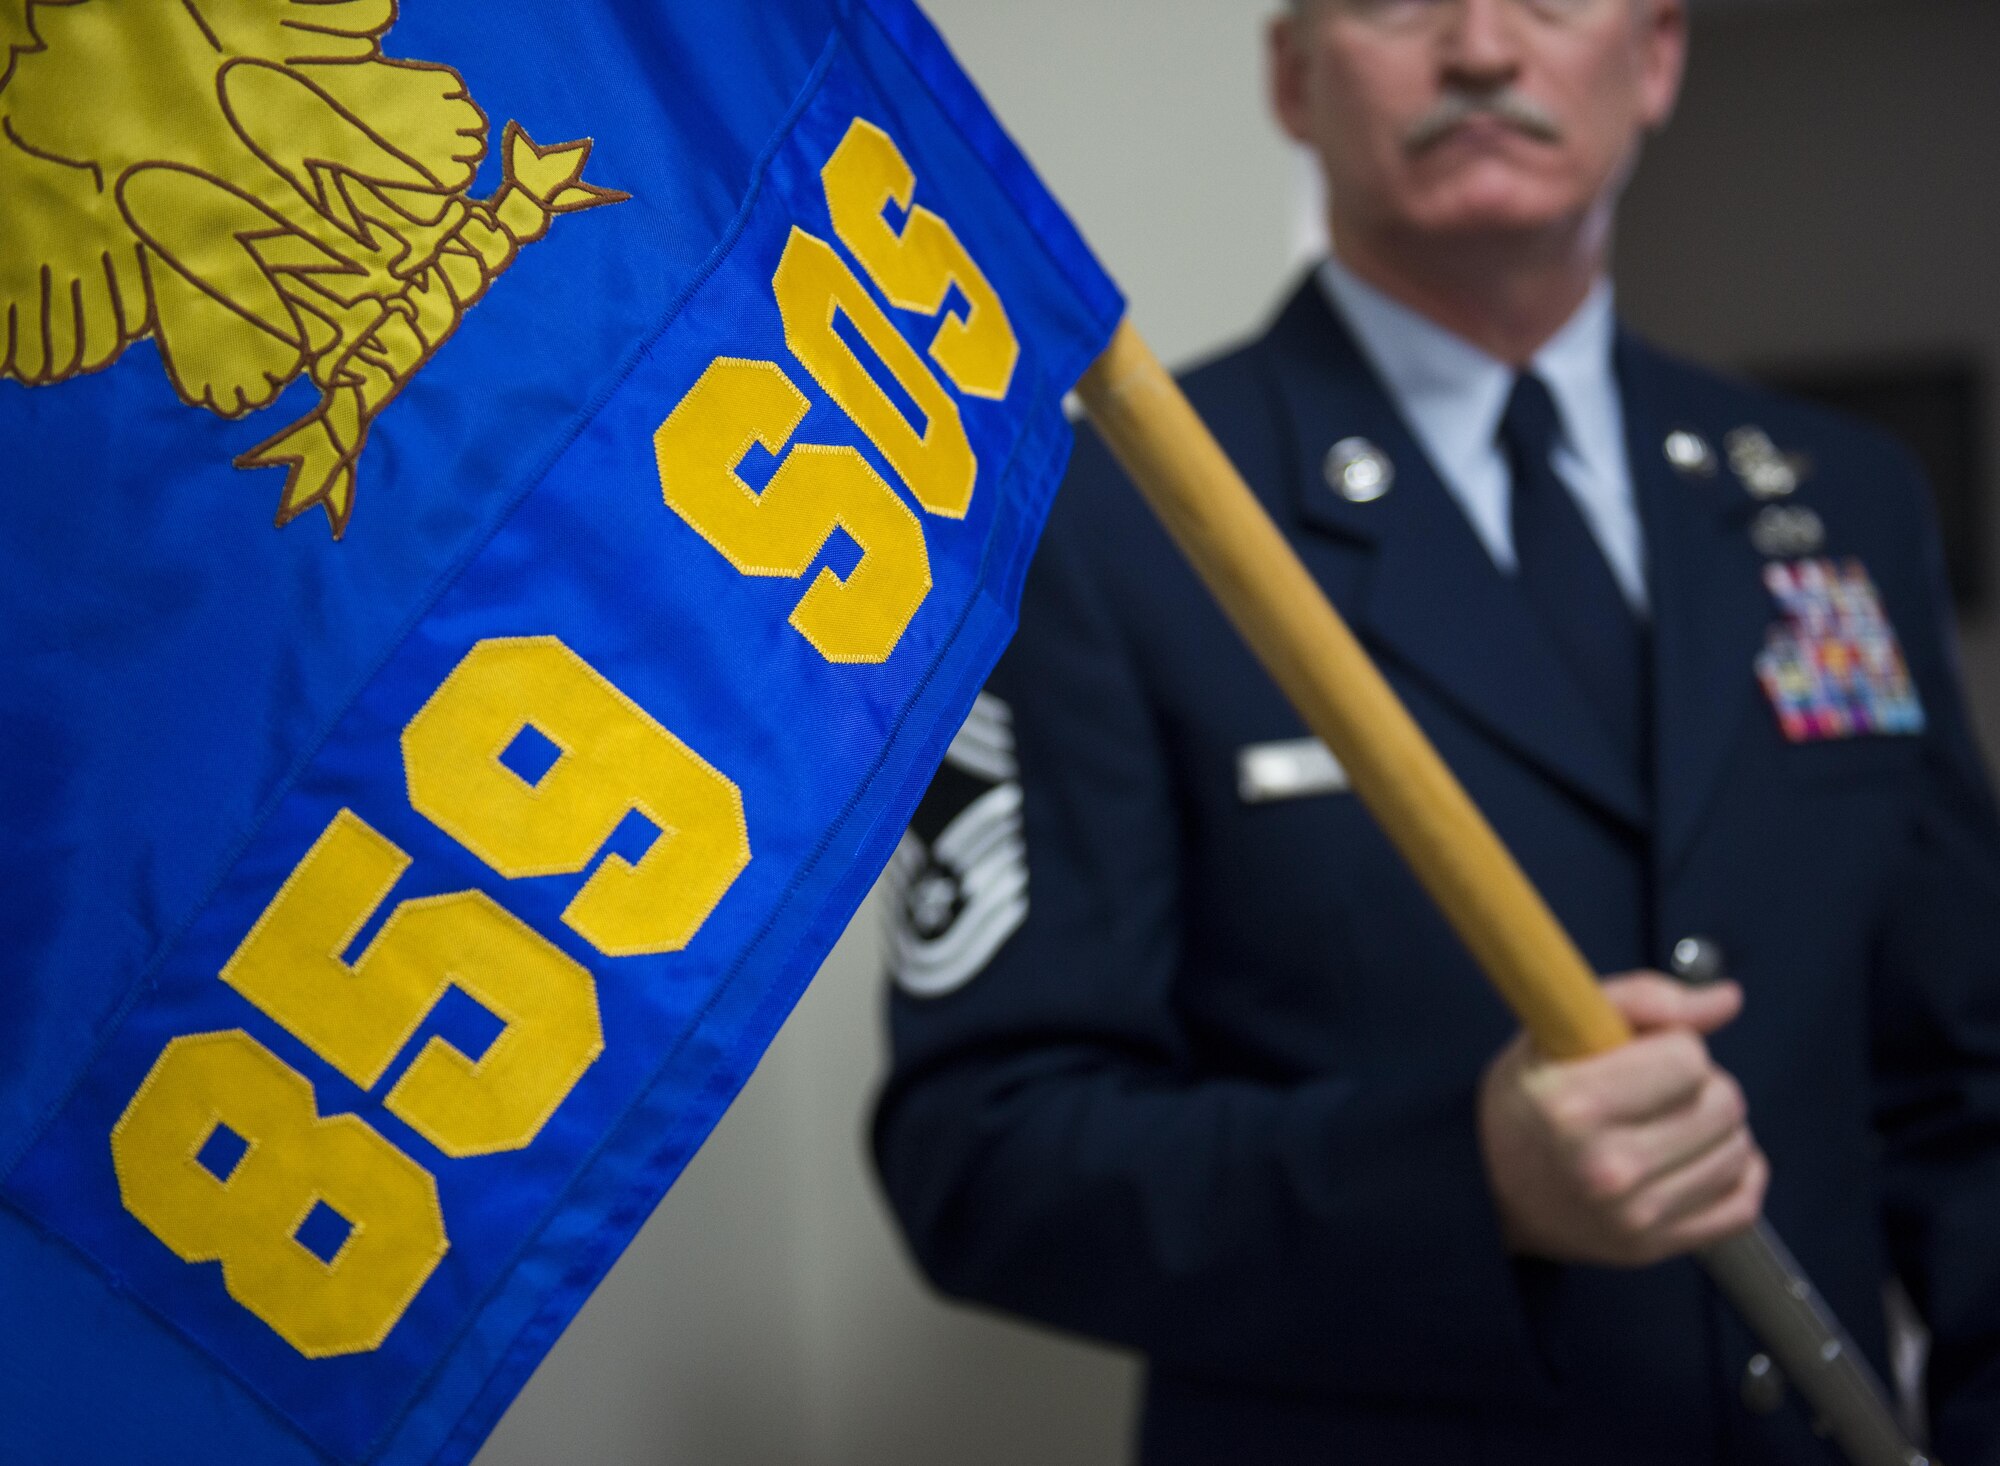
<point>1452,395</point>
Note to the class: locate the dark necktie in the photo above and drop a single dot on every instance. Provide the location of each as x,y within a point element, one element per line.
<point>1568,581</point>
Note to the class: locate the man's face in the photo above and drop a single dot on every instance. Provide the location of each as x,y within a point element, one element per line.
<point>1462,118</point>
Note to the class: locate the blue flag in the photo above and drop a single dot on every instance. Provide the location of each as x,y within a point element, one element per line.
<point>504,507</point>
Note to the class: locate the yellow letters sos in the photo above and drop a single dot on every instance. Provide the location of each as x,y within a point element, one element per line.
<point>614,759</point>
<point>818,488</point>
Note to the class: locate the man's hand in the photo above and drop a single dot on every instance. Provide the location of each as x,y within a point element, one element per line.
<point>1630,1157</point>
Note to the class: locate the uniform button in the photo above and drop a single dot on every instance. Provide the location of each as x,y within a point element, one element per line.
<point>1698,960</point>
<point>1763,1387</point>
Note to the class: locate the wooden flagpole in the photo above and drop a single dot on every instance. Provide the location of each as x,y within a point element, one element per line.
<point>1321,667</point>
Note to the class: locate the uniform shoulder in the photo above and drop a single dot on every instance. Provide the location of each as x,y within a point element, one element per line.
<point>1225,376</point>
<point>1102,533</point>
<point>1230,390</point>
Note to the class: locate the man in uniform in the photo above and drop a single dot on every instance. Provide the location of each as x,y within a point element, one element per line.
<point>1184,1058</point>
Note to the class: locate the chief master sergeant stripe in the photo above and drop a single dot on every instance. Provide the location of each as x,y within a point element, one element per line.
<point>959,880</point>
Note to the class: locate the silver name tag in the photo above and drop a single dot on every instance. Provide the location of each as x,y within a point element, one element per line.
<point>1294,769</point>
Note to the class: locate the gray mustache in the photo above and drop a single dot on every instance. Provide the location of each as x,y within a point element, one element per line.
<point>1506,104</point>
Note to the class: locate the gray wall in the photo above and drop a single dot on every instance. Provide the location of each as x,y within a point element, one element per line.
<point>1829,190</point>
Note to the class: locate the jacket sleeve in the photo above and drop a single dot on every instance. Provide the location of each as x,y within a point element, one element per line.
<point>1936,1023</point>
<point>1048,1138</point>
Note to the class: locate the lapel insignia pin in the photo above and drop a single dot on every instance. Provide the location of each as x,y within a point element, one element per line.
<point>1833,667</point>
<point>1766,472</point>
<point>1786,531</point>
<point>1689,451</point>
<point>1358,471</point>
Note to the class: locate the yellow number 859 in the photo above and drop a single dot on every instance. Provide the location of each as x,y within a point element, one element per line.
<point>612,759</point>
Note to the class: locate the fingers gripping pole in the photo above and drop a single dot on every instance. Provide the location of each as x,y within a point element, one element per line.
<point>1322,669</point>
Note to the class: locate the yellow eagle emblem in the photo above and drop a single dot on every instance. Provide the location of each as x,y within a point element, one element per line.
<point>254,186</point>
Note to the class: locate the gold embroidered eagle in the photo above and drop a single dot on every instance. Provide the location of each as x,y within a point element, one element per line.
<point>256,188</point>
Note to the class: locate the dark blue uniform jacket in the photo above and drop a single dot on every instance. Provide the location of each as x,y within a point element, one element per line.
<point>1213,1098</point>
